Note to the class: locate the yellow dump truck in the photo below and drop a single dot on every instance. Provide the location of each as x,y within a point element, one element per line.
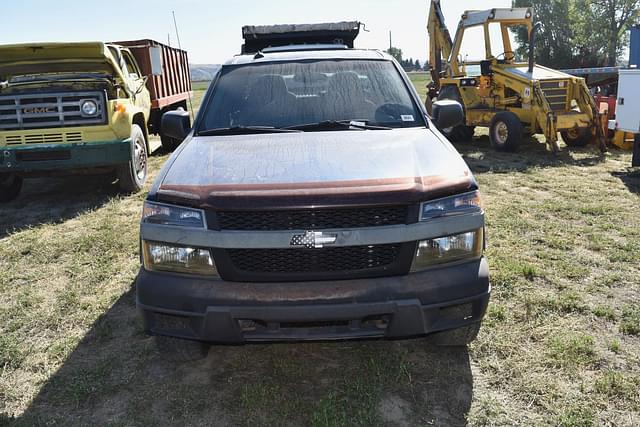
<point>85,108</point>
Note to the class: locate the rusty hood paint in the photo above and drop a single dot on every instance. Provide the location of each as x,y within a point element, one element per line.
<point>315,169</point>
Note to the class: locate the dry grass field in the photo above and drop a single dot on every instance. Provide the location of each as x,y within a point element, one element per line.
<point>560,344</point>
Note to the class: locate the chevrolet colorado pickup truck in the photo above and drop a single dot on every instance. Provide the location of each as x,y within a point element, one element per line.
<point>86,107</point>
<point>312,199</point>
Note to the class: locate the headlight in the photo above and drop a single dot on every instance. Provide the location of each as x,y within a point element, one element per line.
<point>465,246</point>
<point>158,213</point>
<point>178,259</point>
<point>89,108</point>
<point>450,206</point>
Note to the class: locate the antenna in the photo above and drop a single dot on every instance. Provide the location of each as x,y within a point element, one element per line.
<point>390,44</point>
<point>169,39</point>
<point>175,24</point>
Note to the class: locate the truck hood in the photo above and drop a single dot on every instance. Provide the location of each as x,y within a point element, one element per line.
<point>34,58</point>
<point>539,73</point>
<point>314,169</point>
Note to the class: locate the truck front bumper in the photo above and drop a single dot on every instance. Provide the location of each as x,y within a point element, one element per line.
<point>66,156</point>
<point>389,307</point>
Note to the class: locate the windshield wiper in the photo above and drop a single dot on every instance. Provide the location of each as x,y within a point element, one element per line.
<point>338,125</point>
<point>244,130</point>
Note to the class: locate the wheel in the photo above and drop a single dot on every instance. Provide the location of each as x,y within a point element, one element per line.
<point>133,175</point>
<point>576,137</point>
<point>460,133</point>
<point>456,337</point>
<point>169,144</point>
<point>10,186</point>
<point>180,350</point>
<point>505,132</point>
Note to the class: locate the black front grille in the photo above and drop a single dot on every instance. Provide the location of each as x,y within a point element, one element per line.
<point>313,219</point>
<point>325,260</point>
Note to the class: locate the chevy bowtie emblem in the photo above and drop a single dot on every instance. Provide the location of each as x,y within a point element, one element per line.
<point>313,239</point>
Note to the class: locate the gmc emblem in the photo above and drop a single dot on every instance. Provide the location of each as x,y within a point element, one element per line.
<point>39,110</point>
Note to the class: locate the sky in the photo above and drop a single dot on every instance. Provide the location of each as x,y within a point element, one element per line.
<point>211,30</point>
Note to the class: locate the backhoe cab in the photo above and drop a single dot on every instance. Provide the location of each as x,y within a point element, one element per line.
<point>511,97</point>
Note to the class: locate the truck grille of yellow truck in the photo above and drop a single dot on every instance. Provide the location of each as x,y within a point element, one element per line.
<point>50,110</point>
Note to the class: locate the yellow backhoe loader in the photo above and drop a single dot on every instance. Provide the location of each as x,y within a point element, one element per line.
<point>512,98</point>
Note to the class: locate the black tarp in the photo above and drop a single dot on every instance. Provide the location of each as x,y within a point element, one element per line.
<point>258,37</point>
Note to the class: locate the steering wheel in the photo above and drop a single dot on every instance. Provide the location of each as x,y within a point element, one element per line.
<point>508,55</point>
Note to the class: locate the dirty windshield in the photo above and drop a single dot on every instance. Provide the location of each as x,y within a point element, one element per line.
<point>300,94</point>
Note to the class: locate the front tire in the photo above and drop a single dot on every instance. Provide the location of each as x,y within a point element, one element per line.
<point>133,175</point>
<point>10,186</point>
<point>576,137</point>
<point>505,132</point>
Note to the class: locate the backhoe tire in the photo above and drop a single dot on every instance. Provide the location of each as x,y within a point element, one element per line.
<point>10,186</point>
<point>460,133</point>
<point>459,337</point>
<point>576,137</point>
<point>133,175</point>
<point>505,131</point>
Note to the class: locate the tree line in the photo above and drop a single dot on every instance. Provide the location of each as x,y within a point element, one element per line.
<point>407,64</point>
<point>579,33</point>
<point>571,33</point>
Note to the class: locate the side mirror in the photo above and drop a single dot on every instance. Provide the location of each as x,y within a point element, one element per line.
<point>447,114</point>
<point>176,124</point>
<point>155,56</point>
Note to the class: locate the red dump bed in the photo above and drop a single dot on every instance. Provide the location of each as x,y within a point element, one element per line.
<point>174,85</point>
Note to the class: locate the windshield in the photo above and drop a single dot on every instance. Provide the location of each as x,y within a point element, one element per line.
<point>291,94</point>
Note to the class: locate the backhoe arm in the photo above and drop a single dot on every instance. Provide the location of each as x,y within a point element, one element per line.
<point>440,44</point>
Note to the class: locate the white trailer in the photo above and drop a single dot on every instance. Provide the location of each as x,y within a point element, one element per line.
<point>628,108</point>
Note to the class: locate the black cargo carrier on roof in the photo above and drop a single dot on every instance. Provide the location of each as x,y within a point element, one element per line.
<point>260,37</point>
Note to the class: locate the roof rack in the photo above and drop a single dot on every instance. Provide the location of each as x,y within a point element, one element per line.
<point>260,37</point>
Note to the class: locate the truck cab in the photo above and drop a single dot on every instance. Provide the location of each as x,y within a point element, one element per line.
<point>74,108</point>
<point>312,199</point>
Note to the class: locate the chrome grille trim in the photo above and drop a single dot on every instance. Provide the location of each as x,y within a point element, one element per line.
<point>18,112</point>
